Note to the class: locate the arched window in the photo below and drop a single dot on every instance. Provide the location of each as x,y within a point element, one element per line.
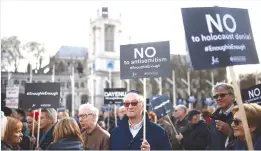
<point>84,99</point>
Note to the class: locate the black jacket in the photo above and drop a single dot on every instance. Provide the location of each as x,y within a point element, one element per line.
<point>196,137</point>
<point>70,143</point>
<point>217,138</point>
<point>46,139</point>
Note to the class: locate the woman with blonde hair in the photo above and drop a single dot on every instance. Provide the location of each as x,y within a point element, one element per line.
<point>13,134</point>
<point>253,115</point>
<point>67,136</point>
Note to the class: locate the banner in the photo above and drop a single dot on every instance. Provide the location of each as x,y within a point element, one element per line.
<point>161,105</point>
<point>218,37</point>
<point>145,60</point>
<point>41,95</point>
<point>12,97</point>
<point>252,94</point>
<point>114,95</point>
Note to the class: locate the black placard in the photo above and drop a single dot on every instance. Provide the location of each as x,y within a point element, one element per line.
<point>145,60</point>
<point>218,37</point>
<point>252,94</point>
<point>41,95</point>
<point>161,105</point>
<point>114,95</point>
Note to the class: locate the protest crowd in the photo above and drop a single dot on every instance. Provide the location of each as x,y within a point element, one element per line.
<point>234,124</point>
<point>91,129</point>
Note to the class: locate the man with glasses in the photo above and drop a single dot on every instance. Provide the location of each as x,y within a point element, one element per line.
<point>129,133</point>
<point>94,136</point>
<point>220,130</point>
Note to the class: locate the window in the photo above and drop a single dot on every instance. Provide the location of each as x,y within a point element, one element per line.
<point>16,82</point>
<point>76,85</point>
<point>23,83</point>
<point>109,37</point>
<point>84,99</point>
<point>62,84</point>
<point>94,40</point>
<point>68,84</point>
<point>82,85</point>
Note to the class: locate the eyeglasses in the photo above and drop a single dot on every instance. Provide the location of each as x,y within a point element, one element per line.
<point>221,95</point>
<point>236,121</point>
<point>134,103</point>
<point>84,115</point>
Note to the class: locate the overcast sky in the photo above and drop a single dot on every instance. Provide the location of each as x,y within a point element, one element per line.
<point>60,22</point>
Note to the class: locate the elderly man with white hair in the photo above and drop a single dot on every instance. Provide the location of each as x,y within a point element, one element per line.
<point>94,137</point>
<point>129,133</point>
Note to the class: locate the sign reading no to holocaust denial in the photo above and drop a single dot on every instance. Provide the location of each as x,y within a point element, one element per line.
<point>219,37</point>
<point>114,95</point>
<point>41,95</point>
<point>252,94</point>
<point>145,60</point>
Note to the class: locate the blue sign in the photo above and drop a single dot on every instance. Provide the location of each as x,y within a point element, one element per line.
<point>110,65</point>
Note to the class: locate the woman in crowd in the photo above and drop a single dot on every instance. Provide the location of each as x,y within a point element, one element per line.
<point>3,128</point>
<point>67,136</point>
<point>13,134</point>
<point>253,115</point>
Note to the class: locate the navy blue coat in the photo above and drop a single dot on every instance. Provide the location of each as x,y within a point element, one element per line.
<point>217,138</point>
<point>70,143</point>
<point>121,137</point>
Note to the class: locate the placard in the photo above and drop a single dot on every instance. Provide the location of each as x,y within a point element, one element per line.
<point>145,60</point>
<point>41,95</point>
<point>252,94</point>
<point>114,95</point>
<point>219,37</point>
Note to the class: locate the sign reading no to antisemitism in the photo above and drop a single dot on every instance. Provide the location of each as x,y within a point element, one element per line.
<point>145,60</point>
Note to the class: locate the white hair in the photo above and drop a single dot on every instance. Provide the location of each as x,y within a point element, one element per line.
<point>139,97</point>
<point>90,109</point>
<point>121,107</point>
<point>4,122</point>
<point>185,109</point>
<point>51,113</point>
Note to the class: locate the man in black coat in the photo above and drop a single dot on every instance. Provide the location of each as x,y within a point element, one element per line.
<point>197,135</point>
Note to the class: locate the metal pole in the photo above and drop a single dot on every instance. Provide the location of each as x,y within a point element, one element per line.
<point>212,79</point>
<point>110,80</point>
<point>189,93</point>
<point>256,77</point>
<point>72,81</point>
<point>128,85</point>
<point>174,88</point>
<point>53,74</point>
<point>31,74</point>
<point>160,85</point>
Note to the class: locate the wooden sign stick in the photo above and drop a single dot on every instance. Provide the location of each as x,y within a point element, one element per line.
<point>241,109</point>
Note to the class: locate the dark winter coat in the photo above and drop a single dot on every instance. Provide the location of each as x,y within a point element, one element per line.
<point>218,138</point>
<point>196,137</point>
<point>122,139</point>
<point>70,143</point>
<point>242,145</point>
<point>46,139</point>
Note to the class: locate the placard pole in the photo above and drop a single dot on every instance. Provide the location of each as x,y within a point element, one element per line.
<point>241,109</point>
<point>53,74</point>
<point>33,123</point>
<point>160,85</point>
<point>144,107</point>
<point>172,125</point>
<point>110,79</point>
<point>38,132</point>
<point>115,114</point>
<point>189,92</point>
<point>174,88</point>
